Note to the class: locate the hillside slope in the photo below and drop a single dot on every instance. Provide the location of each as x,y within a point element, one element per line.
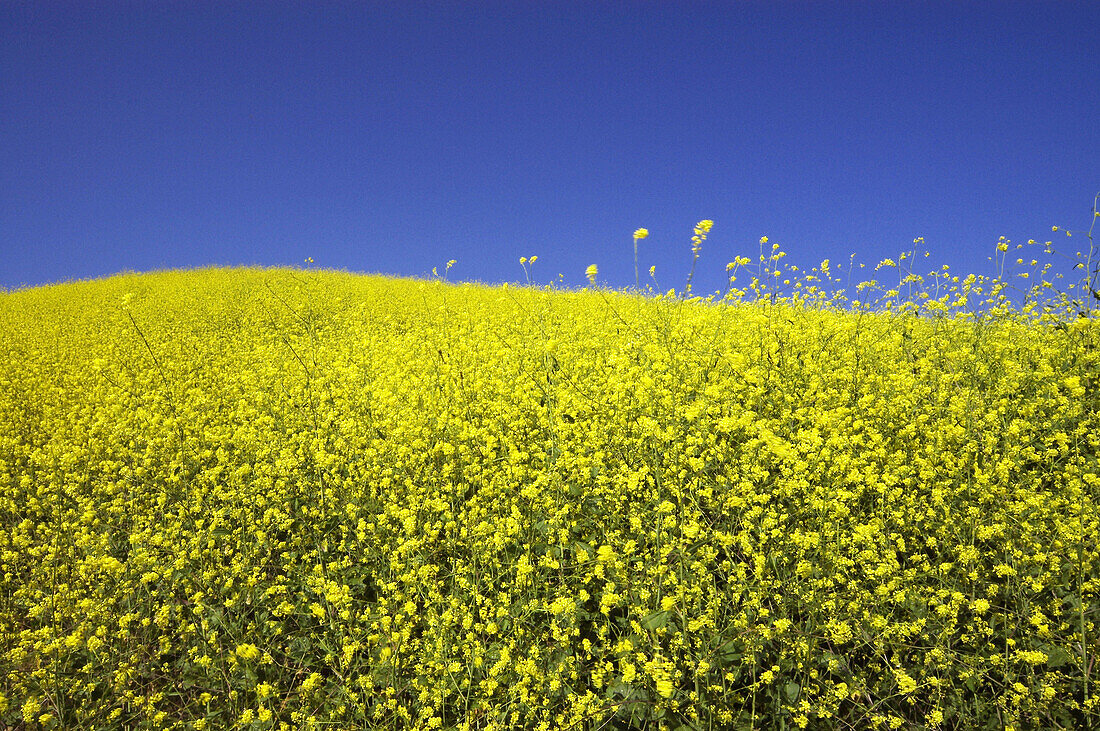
<point>276,498</point>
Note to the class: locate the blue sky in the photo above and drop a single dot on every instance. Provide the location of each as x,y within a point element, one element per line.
<point>392,137</point>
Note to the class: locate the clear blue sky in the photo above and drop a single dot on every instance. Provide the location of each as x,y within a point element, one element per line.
<point>391,137</point>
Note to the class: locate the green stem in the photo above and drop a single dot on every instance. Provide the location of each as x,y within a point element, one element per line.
<point>636,283</point>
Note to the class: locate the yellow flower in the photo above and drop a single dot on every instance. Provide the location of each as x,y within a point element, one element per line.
<point>906,684</point>
<point>629,672</point>
<point>247,652</point>
<point>30,709</point>
<point>591,273</point>
<point>641,233</point>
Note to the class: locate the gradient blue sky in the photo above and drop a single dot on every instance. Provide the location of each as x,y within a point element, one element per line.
<point>391,137</point>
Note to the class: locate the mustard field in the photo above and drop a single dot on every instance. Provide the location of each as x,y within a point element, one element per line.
<point>303,499</point>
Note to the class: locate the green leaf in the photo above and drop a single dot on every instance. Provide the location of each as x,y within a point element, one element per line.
<point>793,689</point>
<point>729,653</point>
<point>625,691</point>
<point>655,620</point>
<point>1057,657</point>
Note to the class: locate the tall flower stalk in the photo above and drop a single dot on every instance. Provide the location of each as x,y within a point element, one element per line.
<point>701,230</point>
<point>638,236</point>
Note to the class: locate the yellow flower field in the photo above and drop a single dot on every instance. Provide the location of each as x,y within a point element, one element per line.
<point>284,499</point>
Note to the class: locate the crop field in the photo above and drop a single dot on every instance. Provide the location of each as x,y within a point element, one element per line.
<point>308,499</point>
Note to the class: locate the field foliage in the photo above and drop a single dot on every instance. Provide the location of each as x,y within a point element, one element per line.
<point>276,498</point>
